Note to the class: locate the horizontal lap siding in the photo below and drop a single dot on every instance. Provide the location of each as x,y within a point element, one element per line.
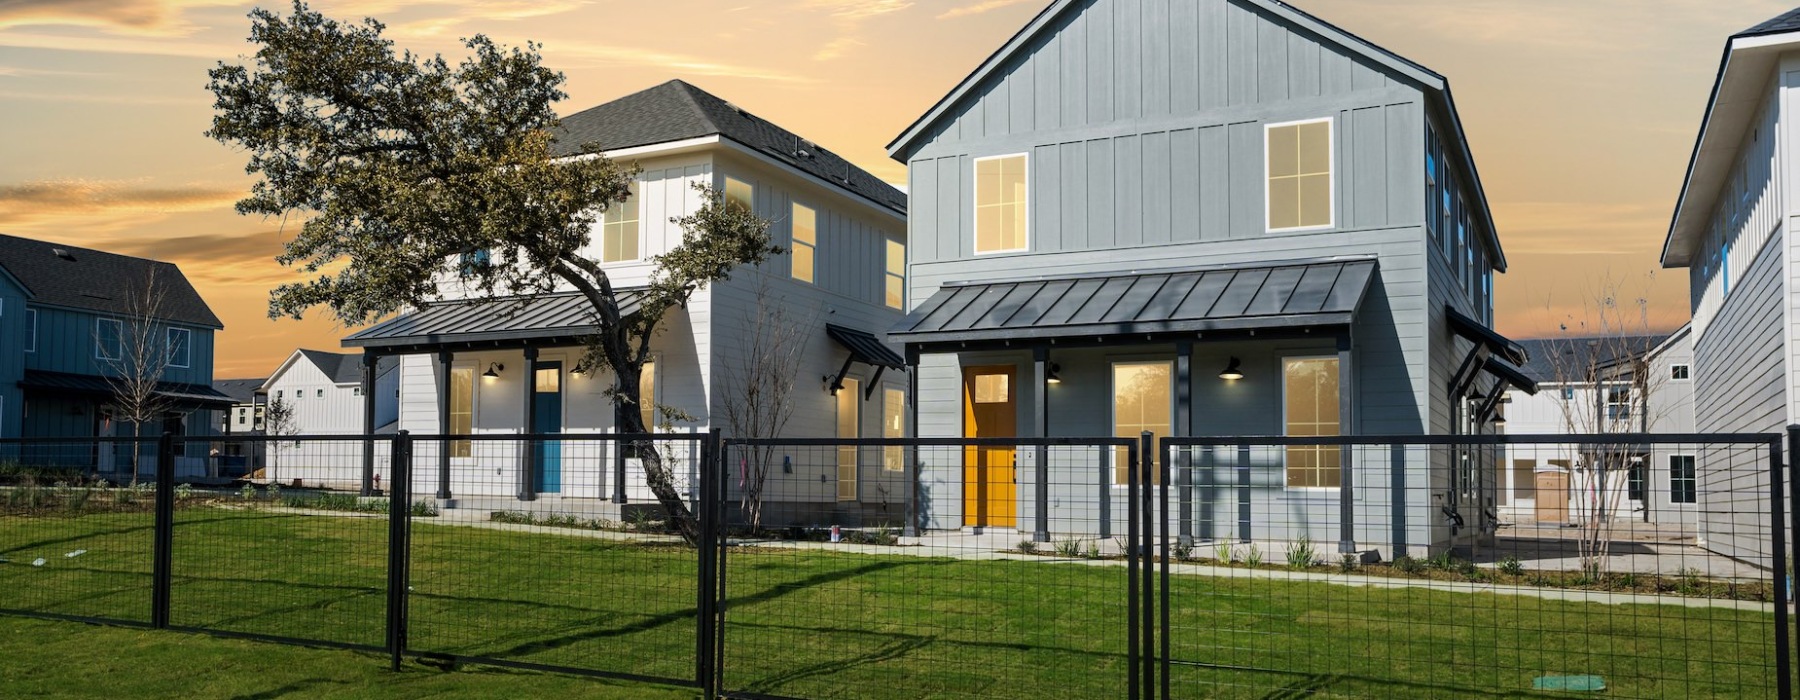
<point>1739,388</point>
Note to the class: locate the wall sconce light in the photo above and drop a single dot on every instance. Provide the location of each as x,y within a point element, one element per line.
<point>1499,420</point>
<point>493,371</point>
<point>1053,376</point>
<point>1232,372</point>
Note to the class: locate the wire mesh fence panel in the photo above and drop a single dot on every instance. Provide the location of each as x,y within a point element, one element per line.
<point>76,527</point>
<point>294,551</point>
<point>894,569</point>
<point>535,561</point>
<point>1514,566</point>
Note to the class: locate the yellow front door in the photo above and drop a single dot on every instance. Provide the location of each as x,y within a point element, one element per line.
<point>990,409</point>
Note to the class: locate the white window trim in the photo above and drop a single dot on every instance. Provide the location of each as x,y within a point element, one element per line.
<point>118,337</point>
<point>639,225</point>
<point>1670,491</point>
<point>1112,410</point>
<point>975,199</point>
<point>31,316</point>
<point>187,358</point>
<point>886,273</point>
<point>1684,365</point>
<point>794,207</point>
<point>1331,175</point>
<point>1284,426</point>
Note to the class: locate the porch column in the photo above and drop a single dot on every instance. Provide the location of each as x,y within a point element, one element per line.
<point>528,461</point>
<point>1182,426</point>
<point>368,446</point>
<point>912,451</point>
<point>444,358</point>
<point>1346,426</point>
<point>1040,421</point>
<point>618,447</point>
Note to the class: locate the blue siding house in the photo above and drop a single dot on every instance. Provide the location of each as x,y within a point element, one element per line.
<point>67,317</point>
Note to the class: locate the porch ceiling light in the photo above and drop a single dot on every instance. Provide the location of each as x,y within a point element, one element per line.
<point>493,371</point>
<point>1052,377</point>
<point>1232,372</point>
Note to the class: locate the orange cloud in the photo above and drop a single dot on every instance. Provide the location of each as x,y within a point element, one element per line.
<point>102,205</point>
<point>978,8</point>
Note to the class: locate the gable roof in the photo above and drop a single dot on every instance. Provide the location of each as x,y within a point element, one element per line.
<point>1434,85</point>
<point>1748,62</point>
<point>678,111</point>
<point>1567,360</point>
<point>340,367</point>
<point>240,390</point>
<point>92,280</point>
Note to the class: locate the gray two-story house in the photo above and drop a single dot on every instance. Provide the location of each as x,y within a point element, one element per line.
<point>70,321</point>
<point>1203,217</point>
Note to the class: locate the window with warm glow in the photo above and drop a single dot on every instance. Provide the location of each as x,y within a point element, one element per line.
<point>740,193</point>
<point>1299,185</point>
<point>896,274</point>
<point>619,230</point>
<point>647,396</point>
<point>849,420</point>
<point>1143,400</point>
<point>806,241</point>
<point>893,425</point>
<point>1000,204</point>
<point>1310,396</point>
<point>462,409</point>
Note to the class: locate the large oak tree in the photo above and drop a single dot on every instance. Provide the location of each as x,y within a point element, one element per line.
<point>403,168</point>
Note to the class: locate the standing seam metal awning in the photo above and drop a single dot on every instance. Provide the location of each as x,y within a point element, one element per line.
<point>177,393</point>
<point>552,317</point>
<point>1224,298</point>
<point>864,347</point>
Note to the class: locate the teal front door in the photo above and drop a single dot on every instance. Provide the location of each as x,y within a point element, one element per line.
<point>547,410</point>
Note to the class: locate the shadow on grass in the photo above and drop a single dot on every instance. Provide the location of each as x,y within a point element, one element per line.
<point>1308,685</point>
<point>906,644</point>
<point>148,527</point>
<point>300,686</point>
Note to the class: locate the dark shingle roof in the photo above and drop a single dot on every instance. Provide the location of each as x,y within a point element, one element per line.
<point>1784,22</point>
<point>93,280</point>
<point>677,111</point>
<point>240,390</point>
<point>344,367</point>
<point>1563,360</point>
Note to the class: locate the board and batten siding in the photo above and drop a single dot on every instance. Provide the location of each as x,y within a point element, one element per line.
<point>66,341</point>
<point>1748,212</point>
<point>1738,389</point>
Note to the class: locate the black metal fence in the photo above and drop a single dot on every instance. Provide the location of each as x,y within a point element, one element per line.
<point>1654,566</point>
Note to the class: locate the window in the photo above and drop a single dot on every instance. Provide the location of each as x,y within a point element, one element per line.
<point>1299,170</point>
<point>180,341</point>
<point>472,263</point>
<point>278,393</point>
<point>896,273</point>
<point>1681,479</point>
<point>619,230</point>
<point>1310,395</point>
<point>356,391</point>
<point>462,409</point>
<point>1001,217</point>
<point>806,241</point>
<point>1143,399</point>
<point>1634,478</point>
<point>893,425</point>
<point>108,333</point>
<point>740,193</point>
<point>1678,372</point>
<point>1618,403</point>
<point>319,393</point>
<point>1431,184</point>
<point>31,330</point>
<point>849,400</point>
<point>1568,393</point>
<point>1725,269</point>
<point>992,388</point>
<point>647,396</point>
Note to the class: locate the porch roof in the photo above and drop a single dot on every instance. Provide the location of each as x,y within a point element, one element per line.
<point>547,319</point>
<point>1240,297</point>
<point>178,394</point>
<point>864,347</point>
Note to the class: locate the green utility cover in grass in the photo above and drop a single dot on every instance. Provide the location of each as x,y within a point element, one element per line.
<point>1568,683</point>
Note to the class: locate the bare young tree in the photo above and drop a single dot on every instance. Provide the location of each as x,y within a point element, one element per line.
<point>135,351</point>
<point>761,379</point>
<point>1604,362</point>
<point>278,422</point>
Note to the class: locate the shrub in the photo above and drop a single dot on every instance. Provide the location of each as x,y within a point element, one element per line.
<point>424,508</point>
<point>274,492</point>
<point>184,492</point>
<point>1027,546</point>
<point>1224,552</point>
<point>1443,561</point>
<point>78,499</point>
<point>1301,555</point>
<point>1511,566</point>
<point>1347,563</point>
<point>1070,547</point>
<point>248,492</point>
<point>1408,565</point>
<point>1093,549</point>
<point>510,516</point>
<point>1182,551</point>
<point>1253,556</point>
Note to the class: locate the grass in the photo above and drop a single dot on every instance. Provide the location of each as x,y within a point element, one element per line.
<point>801,622</point>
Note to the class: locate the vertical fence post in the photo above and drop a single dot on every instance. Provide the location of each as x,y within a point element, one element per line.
<point>1156,542</point>
<point>399,544</point>
<point>711,474</point>
<point>1784,682</point>
<point>721,574</point>
<point>1133,622</point>
<point>162,570</point>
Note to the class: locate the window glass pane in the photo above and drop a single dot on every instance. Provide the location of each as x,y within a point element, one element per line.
<point>1311,398</point>
<point>1284,151</point>
<point>1315,148</point>
<point>992,388</point>
<point>740,193</point>
<point>1000,204</point>
<point>893,425</point>
<point>1284,203</point>
<point>806,236</point>
<point>549,380</point>
<point>849,399</point>
<point>1315,200</point>
<point>1682,488</point>
<point>803,262</point>
<point>619,230</point>
<point>462,409</point>
<point>1299,164</point>
<point>647,396</point>
<point>1143,399</point>
<point>896,292</point>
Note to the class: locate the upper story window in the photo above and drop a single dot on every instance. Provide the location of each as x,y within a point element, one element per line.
<point>619,230</point>
<point>1618,403</point>
<point>472,262</point>
<point>1001,217</point>
<point>896,273</point>
<point>806,242</point>
<point>1299,167</point>
<point>31,330</point>
<point>740,193</point>
<point>1679,372</point>
<point>108,335</point>
<point>1432,182</point>
<point>180,345</point>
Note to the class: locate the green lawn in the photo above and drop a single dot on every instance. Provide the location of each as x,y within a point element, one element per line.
<point>802,623</point>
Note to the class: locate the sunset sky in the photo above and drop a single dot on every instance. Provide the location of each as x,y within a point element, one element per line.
<point>1581,116</point>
